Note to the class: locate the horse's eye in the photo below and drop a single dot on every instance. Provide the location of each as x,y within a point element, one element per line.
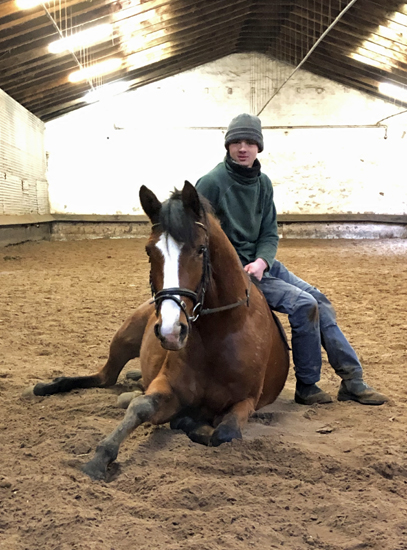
<point>201,249</point>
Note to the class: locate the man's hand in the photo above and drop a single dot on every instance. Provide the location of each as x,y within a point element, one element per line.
<point>256,268</point>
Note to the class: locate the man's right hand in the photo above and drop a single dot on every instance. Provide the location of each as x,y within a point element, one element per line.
<point>256,268</point>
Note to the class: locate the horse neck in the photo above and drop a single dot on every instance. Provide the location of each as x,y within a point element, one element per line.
<point>229,280</point>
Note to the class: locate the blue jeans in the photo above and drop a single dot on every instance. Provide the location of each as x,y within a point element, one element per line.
<point>313,323</point>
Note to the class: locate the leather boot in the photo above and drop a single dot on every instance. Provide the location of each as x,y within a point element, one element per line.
<point>309,394</point>
<point>357,390</point>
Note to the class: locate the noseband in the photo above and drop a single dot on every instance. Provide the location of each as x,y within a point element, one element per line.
<point>197,297</point>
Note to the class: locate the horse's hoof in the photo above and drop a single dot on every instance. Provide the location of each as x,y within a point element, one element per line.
<point>225,434</point>
<point>41,388</point>
<point>202,435</point>
<point>28,393</point>
<point>94,471</point>
<point>124,400</point>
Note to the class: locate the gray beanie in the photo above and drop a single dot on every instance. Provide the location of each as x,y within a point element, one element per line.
<point>245,127</point>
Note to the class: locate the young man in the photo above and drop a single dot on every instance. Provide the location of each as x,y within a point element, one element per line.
<point>242,197</point>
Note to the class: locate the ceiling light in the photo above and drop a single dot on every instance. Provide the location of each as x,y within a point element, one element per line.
<point>81,39</point>
<point>391,90</point>
<point>27,4</point>
<point>97,69</point>
<point>107,91</point>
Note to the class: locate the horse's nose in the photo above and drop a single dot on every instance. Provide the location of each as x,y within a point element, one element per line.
<point>183,332</point>
<point>174,339</point>
<point>157,331</point>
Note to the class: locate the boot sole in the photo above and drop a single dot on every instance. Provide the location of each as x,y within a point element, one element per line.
<point>319,399</point>
<point>342,396</point>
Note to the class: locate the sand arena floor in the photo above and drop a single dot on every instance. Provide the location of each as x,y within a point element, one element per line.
<point>330,477</point>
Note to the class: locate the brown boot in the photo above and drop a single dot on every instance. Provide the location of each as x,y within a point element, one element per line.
<point>357,390</point>
<point>309,394</point>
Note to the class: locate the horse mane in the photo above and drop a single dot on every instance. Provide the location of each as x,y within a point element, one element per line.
<point>180,222</point>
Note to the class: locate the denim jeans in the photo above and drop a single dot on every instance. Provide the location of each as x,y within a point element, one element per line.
<point>313,323</point>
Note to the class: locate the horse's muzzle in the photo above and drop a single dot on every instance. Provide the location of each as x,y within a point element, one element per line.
<point>175,340</point>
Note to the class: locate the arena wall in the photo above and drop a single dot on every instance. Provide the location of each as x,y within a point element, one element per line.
<point>325,149</point>
<point>333,154</point>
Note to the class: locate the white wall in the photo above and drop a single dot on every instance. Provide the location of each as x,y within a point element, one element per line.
<point>23,185</point>
<point>159,136</point>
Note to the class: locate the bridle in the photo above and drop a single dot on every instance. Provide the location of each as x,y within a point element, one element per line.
<point>198,296</point>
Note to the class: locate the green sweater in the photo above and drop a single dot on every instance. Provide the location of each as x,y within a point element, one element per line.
<point>245,208</point>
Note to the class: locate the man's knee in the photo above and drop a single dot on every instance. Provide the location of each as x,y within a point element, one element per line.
<point>327,312</point>
<point>306,309</point>
<point>313,313</point>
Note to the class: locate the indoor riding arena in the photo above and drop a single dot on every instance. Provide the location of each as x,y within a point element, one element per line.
<point>328,81</point>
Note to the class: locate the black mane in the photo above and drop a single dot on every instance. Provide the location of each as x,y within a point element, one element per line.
<point>179,222</point>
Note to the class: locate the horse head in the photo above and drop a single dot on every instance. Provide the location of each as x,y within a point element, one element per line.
<point>178,253</point>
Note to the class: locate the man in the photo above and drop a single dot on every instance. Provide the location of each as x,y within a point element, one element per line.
<point>242,197</point>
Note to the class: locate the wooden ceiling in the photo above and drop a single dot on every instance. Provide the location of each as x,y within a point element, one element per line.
<point>157,38</point>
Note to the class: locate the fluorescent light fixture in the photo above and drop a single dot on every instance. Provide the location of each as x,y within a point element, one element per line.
<point>107,91</point>
<point>27,4</point>
<point>98,69</point>
<point>81,39</point>
<point>391,90</point>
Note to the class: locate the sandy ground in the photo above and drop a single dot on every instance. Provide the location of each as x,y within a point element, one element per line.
<point>324,477</point>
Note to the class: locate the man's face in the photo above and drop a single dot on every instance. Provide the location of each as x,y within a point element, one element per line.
<point>244,152</point>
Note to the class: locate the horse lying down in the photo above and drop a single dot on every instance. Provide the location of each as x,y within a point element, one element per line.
<point>210,351</point>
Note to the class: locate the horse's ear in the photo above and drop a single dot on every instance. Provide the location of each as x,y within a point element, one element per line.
<point>190,198</point>
<point>151,205</point>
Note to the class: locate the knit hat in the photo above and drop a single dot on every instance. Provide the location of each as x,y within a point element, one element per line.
<point>245,127</point>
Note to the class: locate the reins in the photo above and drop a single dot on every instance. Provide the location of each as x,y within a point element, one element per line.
<point>230,306</point>
<point>198,296</point>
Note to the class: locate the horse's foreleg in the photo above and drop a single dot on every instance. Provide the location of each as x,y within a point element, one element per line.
<point>230,427</point>
<point>125,345</point>
<point>158,405</point>
<point>140,410</point>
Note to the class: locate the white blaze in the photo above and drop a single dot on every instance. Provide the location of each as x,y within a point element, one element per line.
<point>171,251</point>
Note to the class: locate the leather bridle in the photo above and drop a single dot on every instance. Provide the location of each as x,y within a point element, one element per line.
<point>198,296</point>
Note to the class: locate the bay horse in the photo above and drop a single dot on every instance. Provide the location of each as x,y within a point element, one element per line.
<point>210,350</point>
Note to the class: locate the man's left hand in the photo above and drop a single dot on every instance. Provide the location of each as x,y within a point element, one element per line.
<point>256,268</point>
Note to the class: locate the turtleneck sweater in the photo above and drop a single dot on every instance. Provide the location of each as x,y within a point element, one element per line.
<point>242,199</point>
